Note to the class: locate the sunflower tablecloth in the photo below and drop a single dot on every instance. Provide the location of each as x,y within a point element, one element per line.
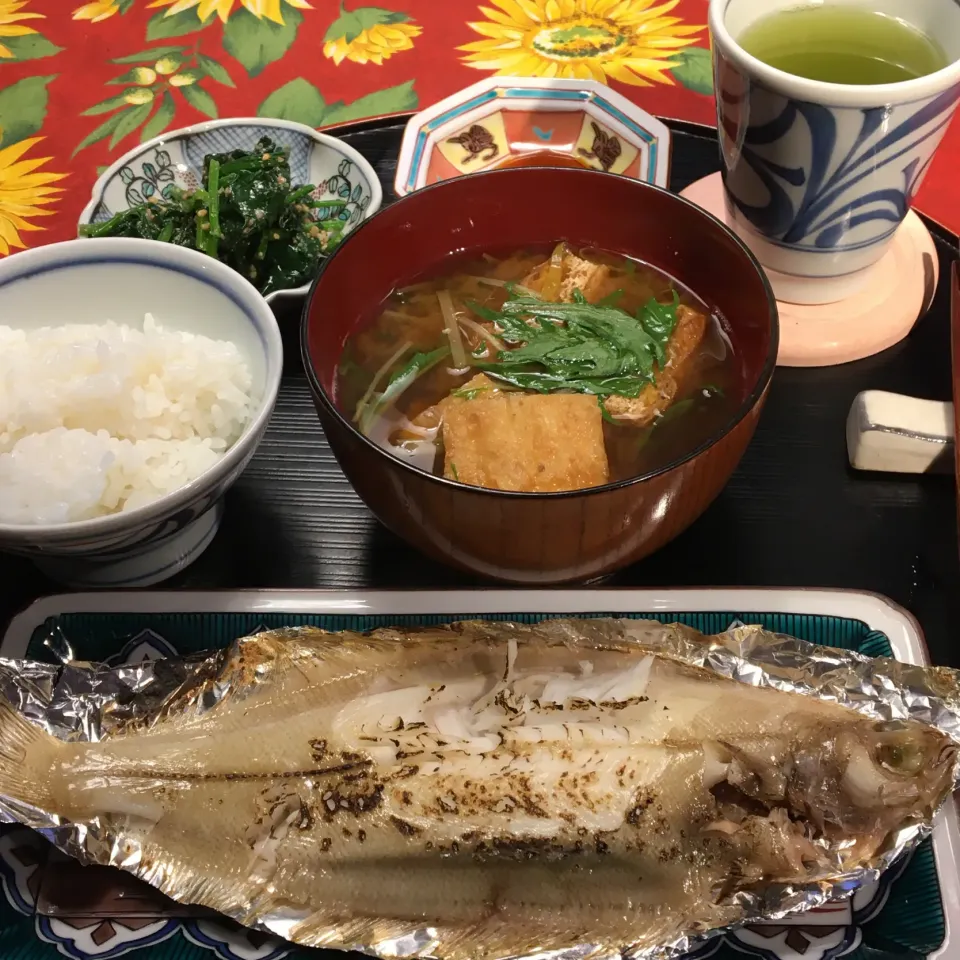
<point>81,83</point>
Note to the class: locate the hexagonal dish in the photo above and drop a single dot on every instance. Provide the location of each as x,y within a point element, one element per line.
<point>532,121</point>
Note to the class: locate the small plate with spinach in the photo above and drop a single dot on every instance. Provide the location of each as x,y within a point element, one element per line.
<point>269,198</point>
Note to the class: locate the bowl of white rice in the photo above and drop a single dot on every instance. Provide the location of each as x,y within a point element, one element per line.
<point>136,381</point>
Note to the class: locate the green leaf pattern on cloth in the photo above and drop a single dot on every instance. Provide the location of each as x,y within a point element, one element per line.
<point>31,46</point>
<point>98,134</point>
<point>350,24</point>
<point>23,108</point>
<point>257,42</point>
<point>130,119</point>
<point>147,56</point>
<point>214,70</point>
<point>396,99</point>
<point>161,119</point>
<point>694,70</point>
<point>300,101</point>
<point>159,78</point>
<point>163,26</point>
<point>199,99</point>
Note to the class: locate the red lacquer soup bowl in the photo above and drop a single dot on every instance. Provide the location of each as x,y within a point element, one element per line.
<point>540,538</point>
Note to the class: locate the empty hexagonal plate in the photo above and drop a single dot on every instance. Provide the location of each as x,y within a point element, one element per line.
<point>520,121</point>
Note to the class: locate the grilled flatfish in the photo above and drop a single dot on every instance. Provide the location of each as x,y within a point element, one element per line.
<point>508,789</point>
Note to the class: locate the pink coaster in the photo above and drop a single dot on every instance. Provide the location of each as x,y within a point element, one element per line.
<point>900,289</point>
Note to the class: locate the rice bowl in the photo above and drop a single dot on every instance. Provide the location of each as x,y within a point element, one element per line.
<point>124,418</point>
<point>135,413</point>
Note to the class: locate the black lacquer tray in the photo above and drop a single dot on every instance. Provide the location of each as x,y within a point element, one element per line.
<point>794,513</point>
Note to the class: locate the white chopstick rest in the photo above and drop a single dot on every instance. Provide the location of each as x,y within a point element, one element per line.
<point>897,434</point>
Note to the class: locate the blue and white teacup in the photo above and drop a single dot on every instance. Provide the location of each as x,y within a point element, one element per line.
<point>819,176</point>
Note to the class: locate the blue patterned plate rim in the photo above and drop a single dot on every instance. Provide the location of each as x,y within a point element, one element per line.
<point>505,89</point>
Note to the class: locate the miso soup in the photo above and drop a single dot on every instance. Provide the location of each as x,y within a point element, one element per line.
<point>540,370</point>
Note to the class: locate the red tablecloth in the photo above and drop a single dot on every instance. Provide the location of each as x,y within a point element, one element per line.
<point>81,83</point>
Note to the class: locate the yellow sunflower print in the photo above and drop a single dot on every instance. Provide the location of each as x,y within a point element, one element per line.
<point>12,15</point>
<point>632,41</point>
<point>24,192</point>
<point>96,10</point>
<point>261,9</point>
<point>369,35</point>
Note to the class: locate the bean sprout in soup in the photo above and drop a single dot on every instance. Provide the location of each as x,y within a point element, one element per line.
<point>540,370</point>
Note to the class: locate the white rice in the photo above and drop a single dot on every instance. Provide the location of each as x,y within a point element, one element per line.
<point>100,418</point>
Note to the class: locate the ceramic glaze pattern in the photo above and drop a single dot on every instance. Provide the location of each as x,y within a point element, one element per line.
<point>342,186</point>
<point>498,119</point>
<point>818,178</point>
<point>156,178</point>
<point>245,137</point>
<point>153,174</point>
<point>175,160</point>
<point>200,295</point>
<point>179,163</point>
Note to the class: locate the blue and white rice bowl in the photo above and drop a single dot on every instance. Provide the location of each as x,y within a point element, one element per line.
<point>123,280</point>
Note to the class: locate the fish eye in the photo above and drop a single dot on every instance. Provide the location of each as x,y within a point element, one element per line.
<point>898,757</point>
<point>889,726</point>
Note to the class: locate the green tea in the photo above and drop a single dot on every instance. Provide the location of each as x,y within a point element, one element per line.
<point>842,44</point>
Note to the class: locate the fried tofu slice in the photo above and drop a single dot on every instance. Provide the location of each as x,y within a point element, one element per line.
<point>657,396</point>
<point>533,443</point>
<point>576,273</point>
<point>430,418</point>
<point>591,279</point>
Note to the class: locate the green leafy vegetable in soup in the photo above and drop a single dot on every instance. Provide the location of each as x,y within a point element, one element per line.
<point>246,213</point>
<point>579,346</point>
<point>399,380</point>
<point>540,371</point>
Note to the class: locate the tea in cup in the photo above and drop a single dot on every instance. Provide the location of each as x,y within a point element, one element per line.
<point>829,115</point>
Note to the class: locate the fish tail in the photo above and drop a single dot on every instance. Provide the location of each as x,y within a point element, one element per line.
<point>27,756</point>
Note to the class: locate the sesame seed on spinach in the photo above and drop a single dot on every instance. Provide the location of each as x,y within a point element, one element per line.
<point>246,213</point>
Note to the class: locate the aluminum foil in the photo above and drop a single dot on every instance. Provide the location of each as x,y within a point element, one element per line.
<point>80,701</point>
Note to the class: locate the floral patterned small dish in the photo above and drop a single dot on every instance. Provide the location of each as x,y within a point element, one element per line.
<point>175,159</point>
<point>532,121</point>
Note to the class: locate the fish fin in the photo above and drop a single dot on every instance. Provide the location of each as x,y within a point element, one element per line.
<point>27,756</point>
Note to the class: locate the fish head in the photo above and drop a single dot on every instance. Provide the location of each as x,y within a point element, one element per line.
<point>858,782</point>
<point>894,764</point>
<point>850,784</point>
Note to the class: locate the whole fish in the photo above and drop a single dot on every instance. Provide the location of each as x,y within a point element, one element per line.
<point>480,790</point>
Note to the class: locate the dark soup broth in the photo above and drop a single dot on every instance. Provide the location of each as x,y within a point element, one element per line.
<point>540,370</point>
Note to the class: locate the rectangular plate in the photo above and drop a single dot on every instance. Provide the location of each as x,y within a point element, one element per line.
<point>54,909</point>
